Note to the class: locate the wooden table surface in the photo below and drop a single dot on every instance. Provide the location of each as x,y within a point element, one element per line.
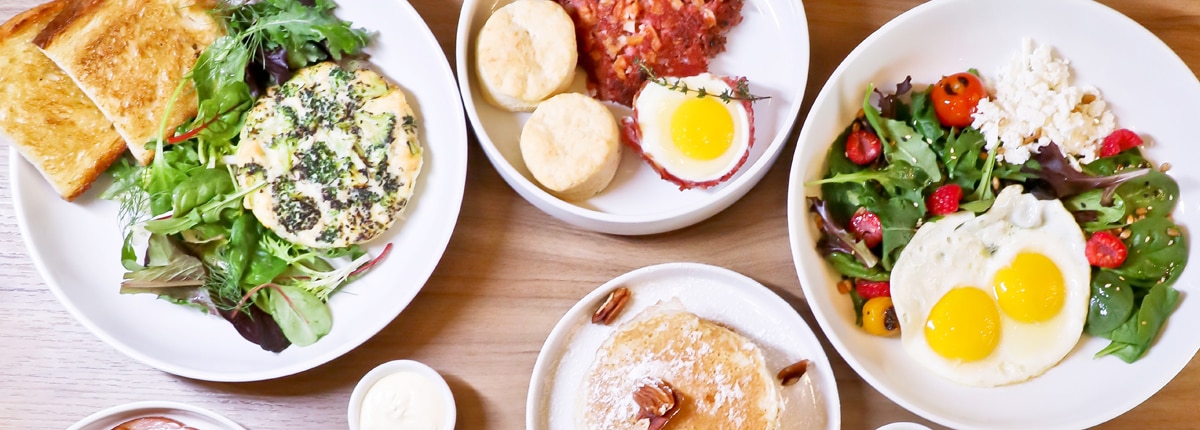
<point>508,275</point>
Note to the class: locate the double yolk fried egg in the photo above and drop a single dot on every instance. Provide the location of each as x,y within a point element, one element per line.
<point>694,139</point>
<point>994,299</point>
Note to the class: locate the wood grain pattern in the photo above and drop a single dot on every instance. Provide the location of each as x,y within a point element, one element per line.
<point>510,272</point>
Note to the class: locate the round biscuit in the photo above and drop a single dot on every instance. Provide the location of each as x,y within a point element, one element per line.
<point>525,53</point>
<point>571,145</point>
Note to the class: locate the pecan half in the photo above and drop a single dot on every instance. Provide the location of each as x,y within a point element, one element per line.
<point>659,402</point>
<point>611,307</point>
<point>789,375</point>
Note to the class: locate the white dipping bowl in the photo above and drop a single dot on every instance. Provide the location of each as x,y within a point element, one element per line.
<point>398,366</point>
<point>769,47</point>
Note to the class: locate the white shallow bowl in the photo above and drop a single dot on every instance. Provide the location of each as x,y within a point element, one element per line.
<point>713,293</point>
<point>398,366</point>
<point>769,47</point>
<point>1147,86</point>
<point>76,246</point>
<point>192,416</point>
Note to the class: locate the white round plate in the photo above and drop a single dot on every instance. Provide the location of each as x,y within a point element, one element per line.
<point>769,47</point>
<point>76,246</point>
<point>713,293</point>
<point>192,416</point>
<point>1134,71</point>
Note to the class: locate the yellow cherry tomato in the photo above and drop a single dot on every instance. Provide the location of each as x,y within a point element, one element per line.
<point>879,317</point>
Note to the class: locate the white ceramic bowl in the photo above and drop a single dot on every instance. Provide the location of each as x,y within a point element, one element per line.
<point>1147,86</point>
<point>713,293</point>
<point>770,48</point>
<point>397,366</point>
<point>192,416</point>
<point>77,246</point>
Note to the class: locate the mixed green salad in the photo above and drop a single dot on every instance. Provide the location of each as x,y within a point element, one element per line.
<point>909,158</point>
<point>187,236</point>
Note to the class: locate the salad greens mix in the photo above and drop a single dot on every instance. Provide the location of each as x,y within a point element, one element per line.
<point>187,235</point>
<point>1120,196</point>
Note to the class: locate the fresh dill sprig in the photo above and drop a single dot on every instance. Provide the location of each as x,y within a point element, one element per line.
<point>740,92</point>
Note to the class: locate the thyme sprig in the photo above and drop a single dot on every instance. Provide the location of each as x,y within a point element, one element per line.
<point>740,92</point>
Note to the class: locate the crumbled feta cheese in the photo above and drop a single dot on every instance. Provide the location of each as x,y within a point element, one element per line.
<point>1032,103</point>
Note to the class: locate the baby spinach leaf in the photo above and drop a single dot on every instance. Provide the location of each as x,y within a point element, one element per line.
<point>1131,339</point>
<point>201,186</point>
<point>1156,192</point>
<point>1157,252</point>
<point>1126,160</point>
<point>849,266</point>
<point>1111,303</point>
<point>302,316</point>
<point>1091,203</point>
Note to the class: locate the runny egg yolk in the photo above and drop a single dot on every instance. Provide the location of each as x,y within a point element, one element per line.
<point>702,128</point>
<point>963,325</point>
<point>1031,289</point>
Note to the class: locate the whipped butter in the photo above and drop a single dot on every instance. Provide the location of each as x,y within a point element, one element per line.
<point>404,400</point>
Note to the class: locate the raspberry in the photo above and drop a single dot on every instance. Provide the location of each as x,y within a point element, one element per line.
<point>872,289</point>
<point>865,225</point>
<point>944,200</point>
<point>862,147</point>
<point>1120,140</point>
<point>1105,250</point>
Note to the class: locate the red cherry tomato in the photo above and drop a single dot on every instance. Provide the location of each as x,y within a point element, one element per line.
<point>955,97</point>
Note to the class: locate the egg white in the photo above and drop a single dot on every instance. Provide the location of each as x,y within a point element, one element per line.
<point>655,105</point>
<point>964,250</point>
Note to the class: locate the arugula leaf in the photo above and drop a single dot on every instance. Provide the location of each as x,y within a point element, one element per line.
<point>899,217</point>
<point>1126,160</point>
<point>843,198</point>
<point>896,177</point>
<point>1131,339</point>
<point>924,118</point>
<point>901,142</point>
<point>857,301</point>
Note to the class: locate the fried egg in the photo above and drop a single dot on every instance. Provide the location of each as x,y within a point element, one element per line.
<point>994,299</point>
<point>693,138</point>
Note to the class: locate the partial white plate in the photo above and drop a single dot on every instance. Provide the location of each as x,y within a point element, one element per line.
<point>713,293</point>
<point>76,246</point>
<point>1134,71</point>
<point>769,47</point>
<point>192,416</point>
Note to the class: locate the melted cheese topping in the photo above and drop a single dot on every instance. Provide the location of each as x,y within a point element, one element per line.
<point>339,154</point>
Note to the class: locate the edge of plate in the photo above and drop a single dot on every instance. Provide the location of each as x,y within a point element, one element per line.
<point>796,201</point>
<point>460,135</point>
<point>602,222</point>
<point>131,407</point>
<point>544,363</point>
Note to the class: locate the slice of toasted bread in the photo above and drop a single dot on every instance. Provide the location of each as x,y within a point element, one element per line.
<point>128,56</point>
<point>45,115</point>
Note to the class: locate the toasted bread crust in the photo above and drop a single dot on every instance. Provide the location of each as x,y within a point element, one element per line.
<point>45,115</point>
<point>128,56</point>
